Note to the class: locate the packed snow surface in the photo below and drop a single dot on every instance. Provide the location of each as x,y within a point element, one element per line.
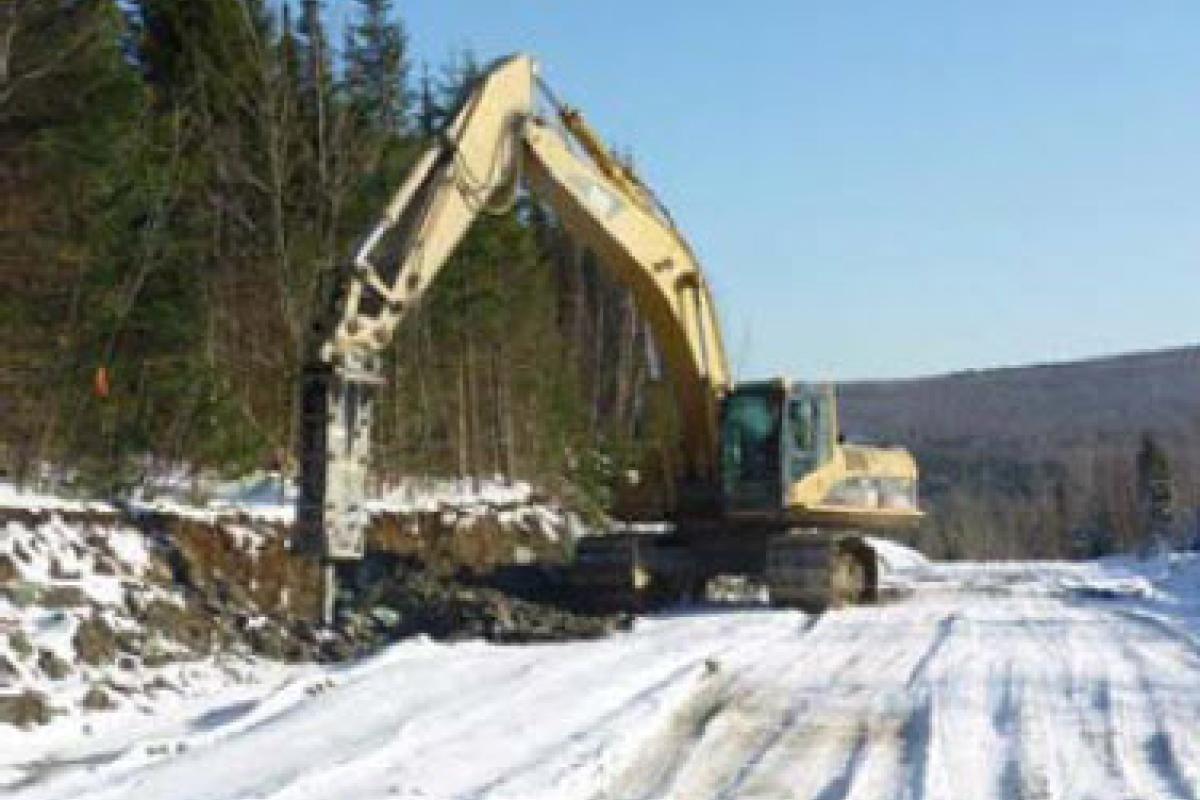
<point>981,681</point>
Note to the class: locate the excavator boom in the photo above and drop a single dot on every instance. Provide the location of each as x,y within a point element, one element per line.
<point>494,145</point>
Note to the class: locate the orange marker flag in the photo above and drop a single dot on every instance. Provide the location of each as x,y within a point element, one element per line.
<point>101,382</point>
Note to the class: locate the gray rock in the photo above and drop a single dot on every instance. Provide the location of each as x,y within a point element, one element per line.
<point>21,553</point>
<point>387,617</point>
<point>8,672</point>
<point>59,573</point>
<point>21,593</point>
<point>97,699</point>
<point>20,644</point>
<point>63,597</point>
<point>94,642</point>
<point>8,569</point>
<point>24,710</point>
<point>54,667</point>
<point>161,684</point>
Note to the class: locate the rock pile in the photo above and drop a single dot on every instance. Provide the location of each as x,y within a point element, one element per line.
<point>410,601</point>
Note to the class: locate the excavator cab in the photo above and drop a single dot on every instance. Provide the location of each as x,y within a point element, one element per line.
<point>772,434</point>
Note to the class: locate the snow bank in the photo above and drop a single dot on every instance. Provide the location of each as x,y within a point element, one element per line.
<point>13,497</point>
<point>425,494</point>
<point>896,557</point>
<point>1170,578</point>
<point>269,497</point>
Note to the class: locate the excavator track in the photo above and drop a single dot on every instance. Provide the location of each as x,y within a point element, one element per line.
<point>808,569</point>
<point>633,572</point>
<point>820,570</point>
<point>608,574</point>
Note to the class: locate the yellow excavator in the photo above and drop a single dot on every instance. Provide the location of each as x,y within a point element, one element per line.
<point>765,487</point>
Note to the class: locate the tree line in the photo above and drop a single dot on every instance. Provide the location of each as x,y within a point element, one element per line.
<point>1087,502</point>
<point>180,183</point>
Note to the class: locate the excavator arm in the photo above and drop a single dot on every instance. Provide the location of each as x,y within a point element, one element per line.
<point>496,145</point>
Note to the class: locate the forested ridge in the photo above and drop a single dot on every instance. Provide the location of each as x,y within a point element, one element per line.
<point>181,183</point>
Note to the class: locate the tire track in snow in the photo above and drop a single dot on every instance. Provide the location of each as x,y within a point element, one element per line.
<point>1161,748</point>
<point>886,743</point>
<point>1124,720</point>
<point>1058,759</point>
<point>581,750</point>
<point>1117,725</point>
<point>741,724</point>
<point>650,774</point>
<point>849,715</point>
<point>1187,642</point>
<point>822,737</point>
<point>745,716</point>
<point>597,749</point>
<point>945,629</point>
<point>1088,697</point>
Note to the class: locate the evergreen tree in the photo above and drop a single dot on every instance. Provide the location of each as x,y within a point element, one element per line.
<point>450,89</point>
<point>377,66</point>
<point>202,54</point>
<point>314,50</point>
<point>1154,490</point>
<point>289,48</point>
<point>428,114</point>
<point>70,128</point>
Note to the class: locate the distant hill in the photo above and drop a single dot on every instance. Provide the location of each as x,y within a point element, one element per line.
<point>1023,409</point>
<point>1001,440</point>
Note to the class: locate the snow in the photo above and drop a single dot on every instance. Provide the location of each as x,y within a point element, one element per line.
<point>896,557</point>
<point>268,497</point>
<point>55,552</point>
<point>985,681</point>
<point>996,680</point>
<point>424,494</point>
<point>13,497</point>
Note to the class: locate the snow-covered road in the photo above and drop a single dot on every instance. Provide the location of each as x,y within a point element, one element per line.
<point>1031,681</point>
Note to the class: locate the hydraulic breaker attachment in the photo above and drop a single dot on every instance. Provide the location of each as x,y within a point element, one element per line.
<point>334,455</point>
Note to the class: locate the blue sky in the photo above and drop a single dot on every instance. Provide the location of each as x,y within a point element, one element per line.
<point>883,189</point>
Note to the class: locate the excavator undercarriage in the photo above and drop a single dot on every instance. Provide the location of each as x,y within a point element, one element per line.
<point>807,568</point>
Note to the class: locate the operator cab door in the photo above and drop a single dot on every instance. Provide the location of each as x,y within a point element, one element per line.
<point>810,430</point>
<point>751,453</point>
<point>773,435</point>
